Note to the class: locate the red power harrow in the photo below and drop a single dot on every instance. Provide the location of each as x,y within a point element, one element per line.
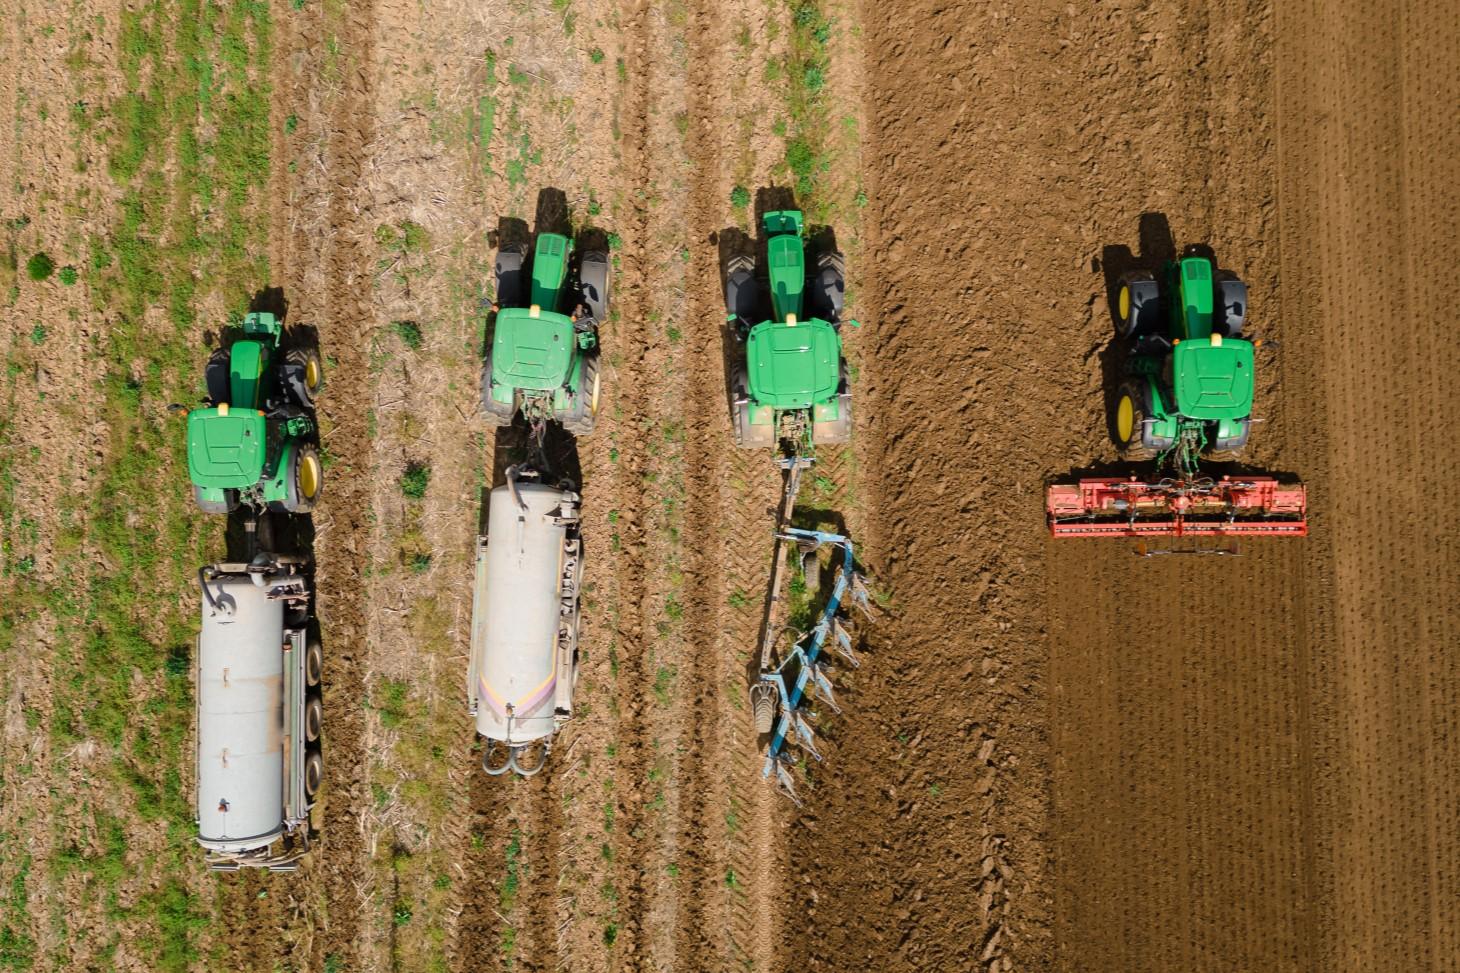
<point>1202,507</point>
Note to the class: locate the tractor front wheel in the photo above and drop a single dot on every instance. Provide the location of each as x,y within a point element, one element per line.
<point>227,505</point>
<point>1130,422</point>
<point>306,477</point>
<point>583,413</point>
<point>497,413</point>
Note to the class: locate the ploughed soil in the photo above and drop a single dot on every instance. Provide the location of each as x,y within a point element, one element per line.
<point>1064,756</point>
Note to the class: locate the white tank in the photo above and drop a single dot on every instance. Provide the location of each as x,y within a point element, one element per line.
<point>524,614</point>
<point>240,717</point>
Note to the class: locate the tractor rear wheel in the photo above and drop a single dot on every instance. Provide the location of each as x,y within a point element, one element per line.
<point>305,478</point>
<point>1137,305</point>
<point>215,375</point>
<point>308,374</point>
<point>497,413</point>
<point>510,283</point>
<point>583,413</point>
<point>228,504</point>
<point>829,290</point>
<point>1129,423</point>
<point>593,280</point>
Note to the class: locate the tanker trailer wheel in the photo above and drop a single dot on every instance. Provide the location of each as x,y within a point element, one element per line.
<point>306,477</point>
<point>313,664</point>
<point>313,774</point>
<point>306,375</point>
<point>1129,423</point>
<point>313,719</point>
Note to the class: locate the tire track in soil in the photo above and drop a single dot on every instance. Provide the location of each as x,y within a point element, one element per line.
<point>701,936</point>
<point>635,339</point>
<point>323,259</point>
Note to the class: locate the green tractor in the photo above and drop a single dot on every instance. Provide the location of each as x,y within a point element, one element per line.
<point>252,443</point>
<point>790,385</point>
<point>1190,374</point>
<point>544,355</point>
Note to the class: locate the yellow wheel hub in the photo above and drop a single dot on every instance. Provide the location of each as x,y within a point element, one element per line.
<point>593,403</point>
<point>311,373</point>
<point>309,476</point>
<point>1125,419</point>
<point>1125,303</point>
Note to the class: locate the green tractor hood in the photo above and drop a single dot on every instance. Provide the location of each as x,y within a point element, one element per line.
<point>532,348</point>
<point>1213,378</point>
<point>226,447</point>
<point>793,364</point>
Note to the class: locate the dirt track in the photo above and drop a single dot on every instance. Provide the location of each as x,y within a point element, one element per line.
<point>1055,756</point>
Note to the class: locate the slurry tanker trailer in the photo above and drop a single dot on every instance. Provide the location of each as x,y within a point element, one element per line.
<point>259,713</point>
<point>524,635</point>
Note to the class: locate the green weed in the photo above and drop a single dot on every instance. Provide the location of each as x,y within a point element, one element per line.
<point>40,266</point>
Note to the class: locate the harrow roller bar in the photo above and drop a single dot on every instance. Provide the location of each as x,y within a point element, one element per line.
<point>1229,507</point>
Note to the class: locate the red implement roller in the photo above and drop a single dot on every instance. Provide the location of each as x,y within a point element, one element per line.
<point>1204,507</point>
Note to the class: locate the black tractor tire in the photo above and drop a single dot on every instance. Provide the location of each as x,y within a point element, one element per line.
<point>216,377</point>
<point>1231,310</point>
<point>510,276</point>
<point>747,436</point>
<point>828,288</point>
<point>594,276</point>
<point>1232,451</point>
<point>304,481</point>
<point>742,293</point>
<point>1128,438</point>
<point>313,774</point>
<point>306,375</point>
<point>497,414</point>
<point>839,430</point>
<point>1137,305</point>
<point>227,506</point>
<point>313,719</point>
<point>582,415</point>
<point>313,664</point>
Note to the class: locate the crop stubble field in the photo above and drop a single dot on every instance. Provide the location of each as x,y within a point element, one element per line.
<point>1053,757</point>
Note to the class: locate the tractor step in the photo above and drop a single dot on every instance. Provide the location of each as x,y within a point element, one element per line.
<point>1228,507</point>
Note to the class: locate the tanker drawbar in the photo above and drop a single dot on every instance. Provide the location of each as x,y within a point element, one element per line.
<point>524,634</point>
<point>258,714</point>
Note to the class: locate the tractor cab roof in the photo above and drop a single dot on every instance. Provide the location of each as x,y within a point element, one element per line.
<point>793,364</point>
<point>1213,378</point>
<point>1198,297</point>
<point>226,447</point>
<point>532,348</point>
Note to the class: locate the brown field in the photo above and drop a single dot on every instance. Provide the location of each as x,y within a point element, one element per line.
<point>1054,756</point>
